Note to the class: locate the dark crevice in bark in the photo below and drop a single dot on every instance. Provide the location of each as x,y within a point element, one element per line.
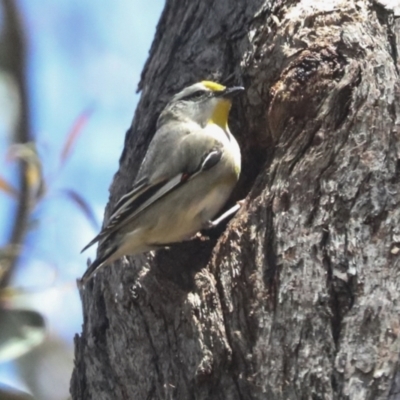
<point>80,376</point>
<point>317,196</point>
<point>335,306</point>
<point>392,37</point>
<point>169,344</point>
<point>386,19</point>
<point>155,357</point>
<point>296,355</point>
<point>394,393</point>
<point>182,261</point>
<point>152,393</point>
<point>343,103</point>
<point>271,271</point>
<point>237,386</point>
<point>234,362</point>
<point>100,325</point>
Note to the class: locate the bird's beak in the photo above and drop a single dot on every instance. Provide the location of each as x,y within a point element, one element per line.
<point>229,92</point>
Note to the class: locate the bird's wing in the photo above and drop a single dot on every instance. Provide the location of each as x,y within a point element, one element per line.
<point>140,188</point>
<point>188,158</point>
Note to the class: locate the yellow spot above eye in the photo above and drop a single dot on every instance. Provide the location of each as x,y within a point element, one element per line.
<point>215,87</point>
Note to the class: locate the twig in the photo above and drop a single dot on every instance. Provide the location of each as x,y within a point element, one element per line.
<point>14,63</point>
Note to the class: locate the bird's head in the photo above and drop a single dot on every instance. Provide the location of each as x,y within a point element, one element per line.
<point>204,102</point>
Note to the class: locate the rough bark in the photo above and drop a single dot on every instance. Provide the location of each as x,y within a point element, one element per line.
<point>299,297</point>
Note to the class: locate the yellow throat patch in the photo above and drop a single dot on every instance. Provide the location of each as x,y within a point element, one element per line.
<point>221,111</point>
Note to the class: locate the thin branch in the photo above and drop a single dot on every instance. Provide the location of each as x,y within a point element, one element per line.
<point>15,64</point>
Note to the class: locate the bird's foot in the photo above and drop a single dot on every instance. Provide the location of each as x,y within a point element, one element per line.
<point>225,215</point>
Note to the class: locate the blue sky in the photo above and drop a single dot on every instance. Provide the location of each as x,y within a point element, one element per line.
<point>81,55</point>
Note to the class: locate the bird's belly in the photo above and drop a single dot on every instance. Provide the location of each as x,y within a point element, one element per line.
<point>212,203</point>
<point>180,225</point>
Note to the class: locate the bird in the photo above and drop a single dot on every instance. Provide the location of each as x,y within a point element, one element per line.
<point>188,173</point>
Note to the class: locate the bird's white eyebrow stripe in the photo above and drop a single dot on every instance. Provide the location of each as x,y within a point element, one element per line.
<point>211,160</point>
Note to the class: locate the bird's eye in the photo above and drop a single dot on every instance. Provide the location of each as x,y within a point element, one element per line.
<point>195,95</point>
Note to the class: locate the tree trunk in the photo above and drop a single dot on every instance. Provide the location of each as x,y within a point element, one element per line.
<point>299,297</point>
